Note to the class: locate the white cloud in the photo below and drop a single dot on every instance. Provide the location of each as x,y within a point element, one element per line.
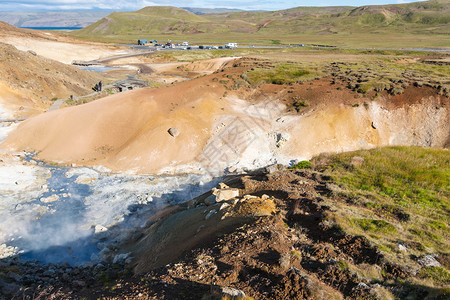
<point>75,4</point>
<point>129,5</point>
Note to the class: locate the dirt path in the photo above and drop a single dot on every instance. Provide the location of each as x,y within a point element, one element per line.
<point>110,59</point>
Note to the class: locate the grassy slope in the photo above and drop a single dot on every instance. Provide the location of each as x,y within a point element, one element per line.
<point>394,196</point>
<point>149,20</point>
<point>420,24</point>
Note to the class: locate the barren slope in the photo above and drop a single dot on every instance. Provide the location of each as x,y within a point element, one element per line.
<point>127,130</point>
<point>222,124</point>
<point>30,81</point>
<point>53,46</point>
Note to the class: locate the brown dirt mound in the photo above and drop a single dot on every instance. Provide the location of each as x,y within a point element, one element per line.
<point>127,130</point>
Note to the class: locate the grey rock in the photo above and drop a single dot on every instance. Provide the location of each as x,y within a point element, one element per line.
<point>65,265</point>
<point>429,261</point>
<point>232,292</point>
<point>402,248</point>
<point>120,257</point>
<point>212,212</point>
<point>294,270</point>
<point>357,161</point>
<point>66,277</point>
<point>232,169</point>
<point>99,229</point>
<point>225,194</point>
<point>285,261</point>
<point>79,283</point>
<point>274,168</point>
<point>4,264</point>
<point>49,273</point>
<point>210,200</point>
<point>32,52</point>
<point>363,286</point>
<point>173,132</point>
<point>10,289</point>
<point>138,236</point>
<point>223,186</point>
<point>14,276</point>
<point>281,139</point>
<point>223,206</point>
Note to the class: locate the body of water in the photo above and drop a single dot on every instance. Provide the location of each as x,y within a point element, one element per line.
<point>53,28</point>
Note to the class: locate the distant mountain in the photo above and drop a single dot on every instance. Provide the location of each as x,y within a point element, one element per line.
<point>53,18</point>
<point>204,11</point>
<point>428,18</point>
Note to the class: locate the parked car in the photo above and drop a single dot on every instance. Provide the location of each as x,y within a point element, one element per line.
<point>142,42</point>
<point>220,47</point>
<point>208,47</point>
<point>189,48</point>
<point>215,47</point>
<point>201,47</point>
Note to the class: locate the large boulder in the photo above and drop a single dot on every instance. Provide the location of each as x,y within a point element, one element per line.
<point>173,132</point>
<point>226,194</point>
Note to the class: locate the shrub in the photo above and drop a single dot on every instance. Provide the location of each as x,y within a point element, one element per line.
<point>304,164</point>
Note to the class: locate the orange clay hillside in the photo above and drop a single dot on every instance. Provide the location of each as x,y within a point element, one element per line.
<point>129,131</point>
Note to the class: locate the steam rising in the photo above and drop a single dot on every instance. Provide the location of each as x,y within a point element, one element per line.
<point>58,214</point>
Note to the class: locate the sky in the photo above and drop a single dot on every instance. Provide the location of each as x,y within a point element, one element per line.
<point>131,5</point>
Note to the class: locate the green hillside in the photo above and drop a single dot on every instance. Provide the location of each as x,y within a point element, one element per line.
<point>149,20</point>
<point>419,24</point>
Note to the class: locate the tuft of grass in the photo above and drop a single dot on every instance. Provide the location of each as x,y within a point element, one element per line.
<point>298,105</point>
<point>437,274</point>
<point>296,254</point>
<point>342,265</point>
<point>375,225</point>
<point>281,73</point>
<point>304,164</point>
